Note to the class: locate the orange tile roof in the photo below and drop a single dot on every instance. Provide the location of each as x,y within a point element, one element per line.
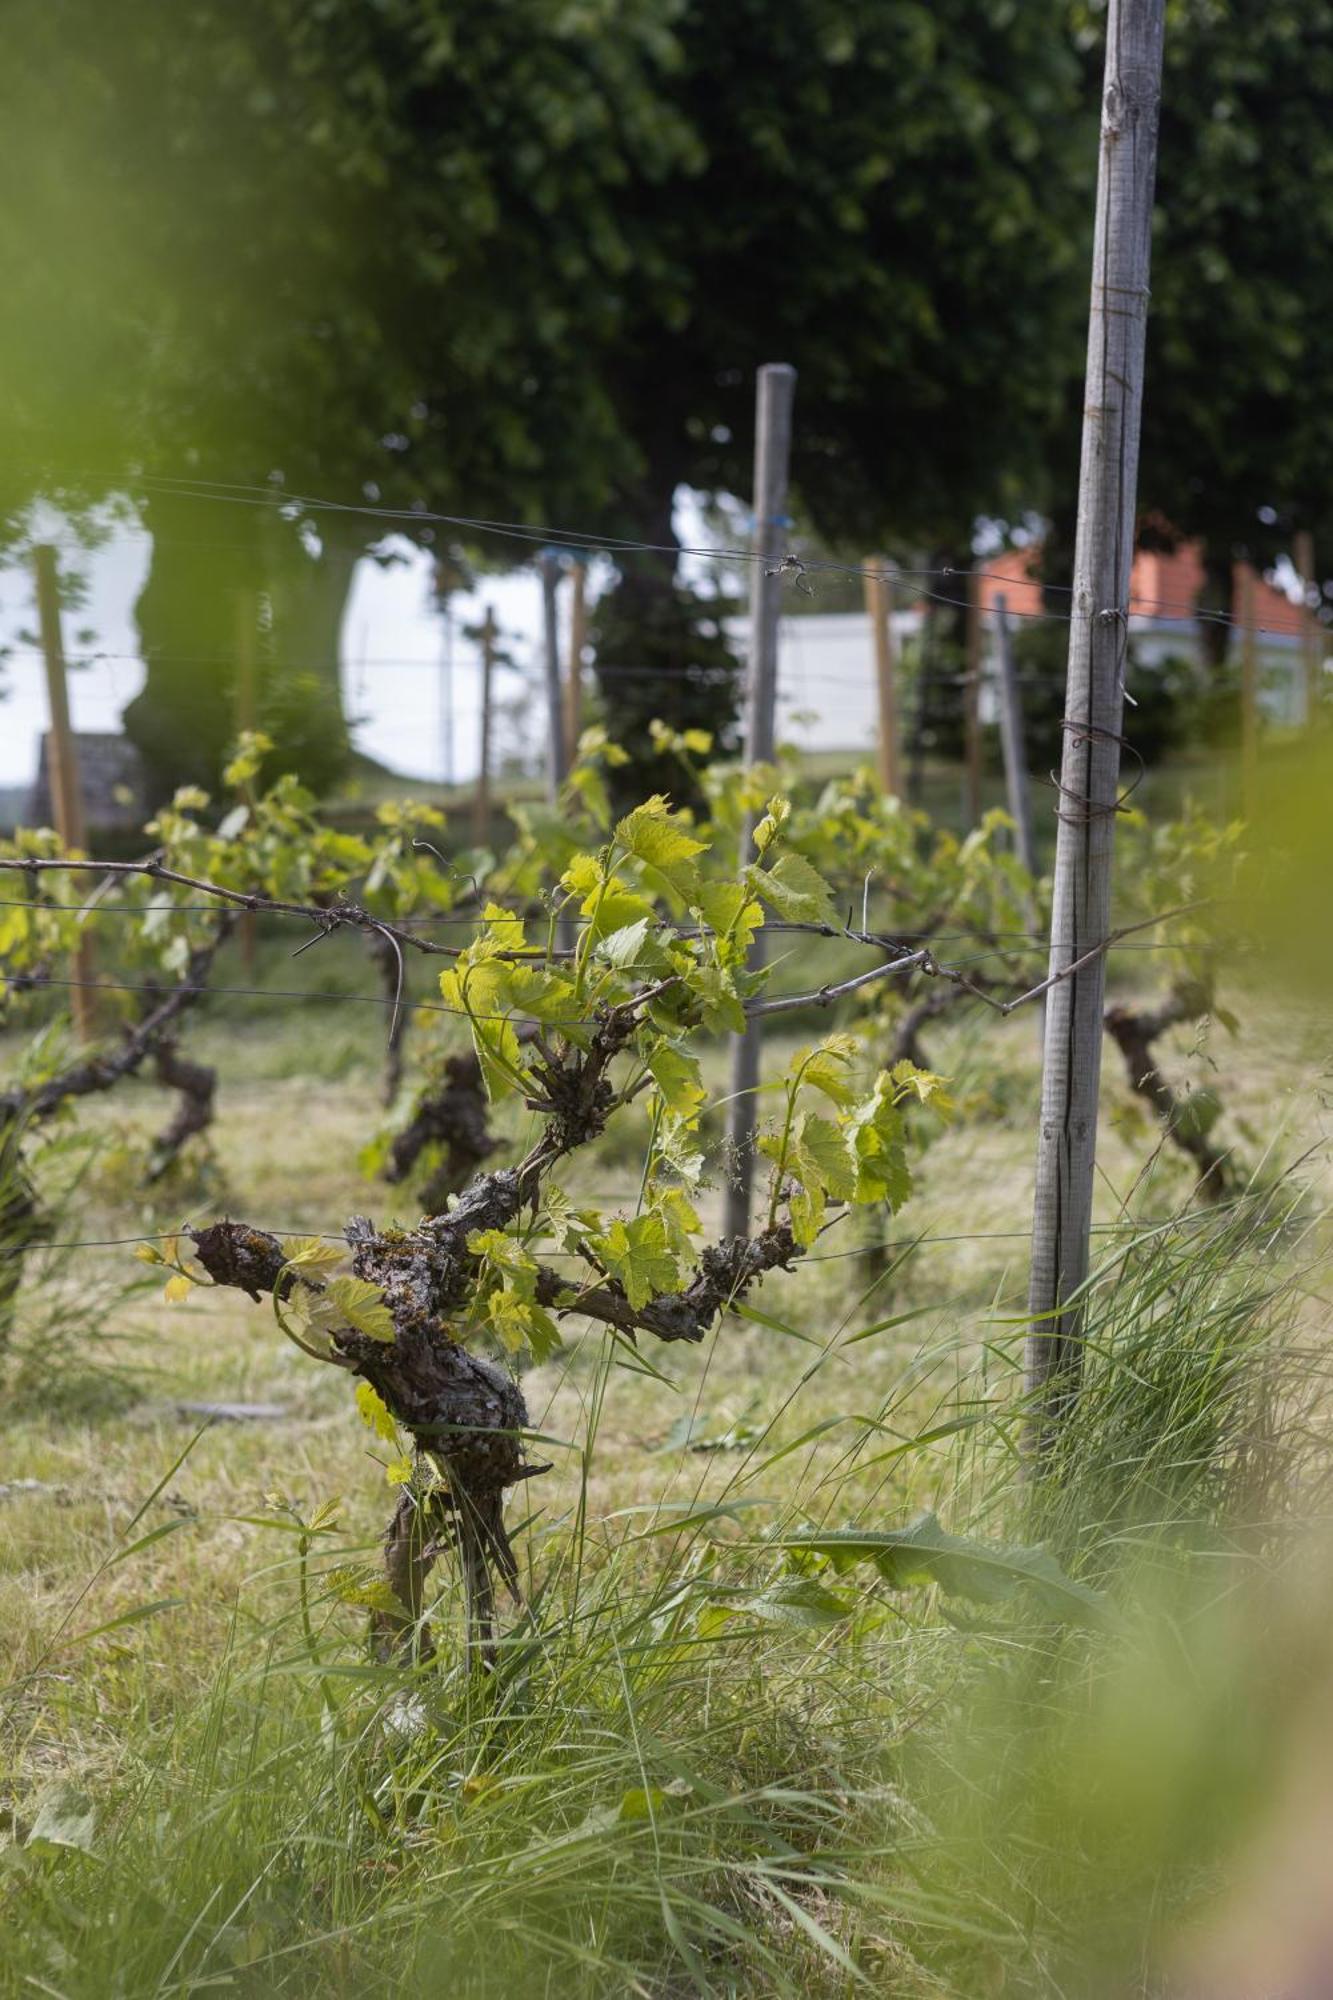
<point>1161,586</point>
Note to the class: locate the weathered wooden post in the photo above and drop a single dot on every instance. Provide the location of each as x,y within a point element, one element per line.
<point>578,640</point>
<point>879,610</point>
<point>1098,645</point>
<point>62,771</point>
<point>1312,643</point>
<point>1249,694</point>
<point>972,705</point>
<point>557,767</point>
<point>1017,789</point>
<point>246,711</point>
<point>1012,740</point>
<point>481,798</point>
<point>775,391</point>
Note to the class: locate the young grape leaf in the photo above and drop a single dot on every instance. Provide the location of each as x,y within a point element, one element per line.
<point>361,1305</point>
<point>796,890</point>
<point>375,1412</point>
<point>638,1254</point>
<point>678,1079</point>
<point>879,1148</point>
<point>311,1255</point>
<point>658,838</point>
<point>825,1067</point>
<point>825,1147</point>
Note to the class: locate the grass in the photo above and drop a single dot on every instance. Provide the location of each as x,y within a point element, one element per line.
<point>691,1774</point>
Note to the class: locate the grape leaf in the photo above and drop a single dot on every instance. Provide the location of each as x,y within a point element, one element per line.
<point>678,1079</point>
<point>825,1146</point>
<point>658,838</point>
<point>796,890</point>
<point>824,1067</point>
<point>361,1305</point>
<point>375,1412</point>
<point>638,1254</point>
<point>878,1145</point>
<point>311,1255</point>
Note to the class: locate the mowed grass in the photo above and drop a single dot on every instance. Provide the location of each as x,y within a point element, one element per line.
<point>644,1802</point>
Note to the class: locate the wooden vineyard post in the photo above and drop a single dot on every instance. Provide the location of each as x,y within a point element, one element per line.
<point>1249,694</point>
<point>446,695</point>
<point>879,610</point>
<point>1014,746</point>
<point>246,718</point>
<point>1012,740</point>
<point>62,771</point>
<point>557,769</point>
<point>481,798</point>
<point>972,706</point>
<point>1094,693</point>
<point>578,640</point>
<point>1312,645</point>
<point>775,392</point>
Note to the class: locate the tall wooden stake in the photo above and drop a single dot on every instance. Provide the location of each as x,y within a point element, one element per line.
<point>246,718</point>
<point>447,695</point>
<point>775,391</point>
<point>62,771</point>
<point>1012,741</point>
<point>557,767</point>
<point>879,609</point>
<point>578,639</point>
<point>1094,694</point>
<point>1312,641</point>
<point>972,706</point>
<point>1017,789</point>
<point>481,801</point>
<point>1249,694</point>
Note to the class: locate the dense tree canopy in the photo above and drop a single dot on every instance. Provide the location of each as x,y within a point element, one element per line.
<point>522,264</point>
<point>1237,432</point>
<point>1238,423</point>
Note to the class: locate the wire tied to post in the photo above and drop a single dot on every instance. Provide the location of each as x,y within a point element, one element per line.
<point>1087,810</point>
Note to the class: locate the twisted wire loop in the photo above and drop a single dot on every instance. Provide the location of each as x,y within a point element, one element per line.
<point>1085,810</point>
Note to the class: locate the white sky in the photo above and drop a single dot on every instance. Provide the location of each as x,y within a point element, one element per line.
<point>393,649</point>
<point>393,654</point>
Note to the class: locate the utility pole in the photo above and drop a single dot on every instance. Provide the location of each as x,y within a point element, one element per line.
<point>481,802</point>
<point>972,706</point>
<point>62,772</point>
<point>557,766</point>
<point>1094,695</point>
<point>578,640</point>
<point>879,610</point>
<point>1249,694</point>
<point>1312,645</point>
<point>774,394</point>
<point>246,719</point>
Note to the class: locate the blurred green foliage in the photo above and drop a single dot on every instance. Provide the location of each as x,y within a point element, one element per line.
<point>521,264</point>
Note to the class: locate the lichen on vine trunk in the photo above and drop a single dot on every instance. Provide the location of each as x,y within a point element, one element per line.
<point>466,1416</point>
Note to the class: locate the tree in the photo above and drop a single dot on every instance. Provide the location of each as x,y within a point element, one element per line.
<point>343,251</point>
<point>885,195</point>
<point>1238,409</point>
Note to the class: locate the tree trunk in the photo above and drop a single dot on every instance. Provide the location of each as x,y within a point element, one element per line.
<point>308,595</point>
<point>204,554</point>
<point>660,654</point>
<point>1216,595</point>
<point>207,553</point>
